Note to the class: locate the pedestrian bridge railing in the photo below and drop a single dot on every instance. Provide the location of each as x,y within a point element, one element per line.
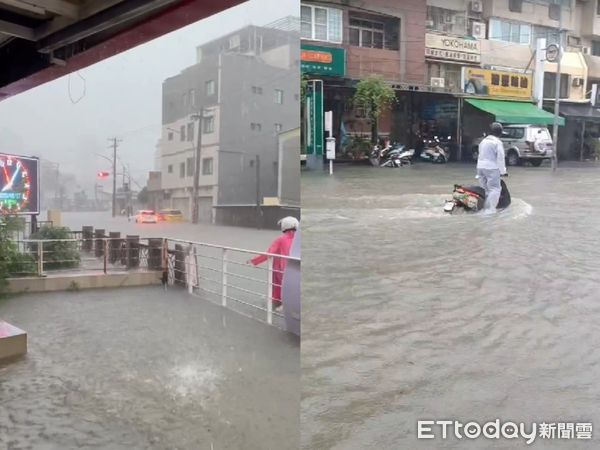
<point>223,275</point>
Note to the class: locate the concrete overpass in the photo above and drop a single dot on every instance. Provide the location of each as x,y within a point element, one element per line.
<point>41,40</point>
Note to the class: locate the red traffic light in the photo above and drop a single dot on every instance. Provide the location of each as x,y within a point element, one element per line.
<point>102,174</point>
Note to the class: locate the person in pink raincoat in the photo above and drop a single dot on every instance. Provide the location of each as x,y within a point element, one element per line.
<point>280,246</point>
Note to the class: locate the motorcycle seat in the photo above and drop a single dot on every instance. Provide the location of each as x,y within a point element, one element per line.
<point>477,190</point>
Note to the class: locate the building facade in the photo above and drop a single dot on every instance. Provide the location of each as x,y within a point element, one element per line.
<point>241,93</point>
<point>427,50</point>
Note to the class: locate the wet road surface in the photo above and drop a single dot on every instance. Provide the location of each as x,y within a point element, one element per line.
<point>140,368</point>
<point>247,238</point>
<point>410,314</point>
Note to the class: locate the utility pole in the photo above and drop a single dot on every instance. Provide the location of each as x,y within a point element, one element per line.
<point>115,143</point>
<point>557,86</point>
<point>197,155</point>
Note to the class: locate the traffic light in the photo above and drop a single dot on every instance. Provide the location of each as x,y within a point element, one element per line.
<point>102,174</point>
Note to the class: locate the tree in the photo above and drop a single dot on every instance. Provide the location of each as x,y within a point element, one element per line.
<point>143,196</point>
<point>373,95</point>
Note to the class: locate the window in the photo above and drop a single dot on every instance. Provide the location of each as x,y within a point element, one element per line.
<point>182,170</point>
<point>182,133</point>
<point>234,42</point>
<point>495,79</point>
<point>170,135</point>
<point>190,131</point>
<point>170,168</point>
<point>514,81</point>
<point>366,33</point>
<point>255,126</point>
<point>446,20</point>
<point>514,133</point>
<point>501,30</point>
<point>210,87</point>
<point>524,82</point>
<point>278,96</point>
<point>321,24</point>
<point>596,47</point>
<point>257,90</point>
<point>208,125</point>
<point>515,5</point>
<point>550,34</point>
<point>550,85</point>
<point>207,166</point>
<point>192,97</point>
<point>278,127</point>
<point>190,166</point>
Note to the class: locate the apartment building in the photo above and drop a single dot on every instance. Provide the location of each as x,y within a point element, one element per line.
<point>241,93</point>
<point>436,53</point>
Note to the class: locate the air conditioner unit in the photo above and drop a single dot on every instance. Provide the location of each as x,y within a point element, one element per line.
<point>586,50</point>
<point>478,30</point>
<point>429,24</point>
<point>477,6</point>
<point>437,82</point>
<point>577,82</point>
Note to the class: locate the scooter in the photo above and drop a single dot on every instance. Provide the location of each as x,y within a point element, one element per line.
<point>472,199</point>
<point>434,151</point>
<point>398,157</point>
<point>391,156</point>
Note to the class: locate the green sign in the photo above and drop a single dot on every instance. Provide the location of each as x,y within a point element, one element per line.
<point>316,60</point>
<point>314,123</point>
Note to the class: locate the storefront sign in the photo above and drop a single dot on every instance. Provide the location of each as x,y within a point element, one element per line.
<point>452,48</point>
<point>496,83</point>
<point>316,60</point>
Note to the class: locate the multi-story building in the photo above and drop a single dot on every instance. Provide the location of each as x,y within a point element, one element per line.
<point>242,92</point>
<point>437,54</point>
<point>346,41</point>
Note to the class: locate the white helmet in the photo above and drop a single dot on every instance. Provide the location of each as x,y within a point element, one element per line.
<point>288,223</point>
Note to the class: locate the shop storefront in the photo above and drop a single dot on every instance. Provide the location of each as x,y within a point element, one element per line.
<point>324,69</point>
<point>495,95</point>
<point>437,112</point>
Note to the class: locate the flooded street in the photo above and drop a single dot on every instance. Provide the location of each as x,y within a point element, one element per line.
<point>141,368</point>
<point>447,317</point>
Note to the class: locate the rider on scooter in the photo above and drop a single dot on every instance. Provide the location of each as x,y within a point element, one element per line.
<point>491,166</point>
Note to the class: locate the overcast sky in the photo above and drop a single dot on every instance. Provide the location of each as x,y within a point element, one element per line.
<point>68,120</point>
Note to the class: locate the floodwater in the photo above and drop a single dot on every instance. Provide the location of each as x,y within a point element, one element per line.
<point>141,368</point>
<point>410,314</point>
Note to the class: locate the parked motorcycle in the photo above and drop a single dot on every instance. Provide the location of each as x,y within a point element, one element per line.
<point>391,156</point>
<point>435,151</point>
<point>472,198</point>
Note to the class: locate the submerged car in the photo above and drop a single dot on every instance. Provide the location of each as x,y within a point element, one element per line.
<point>145,216</point>
<point>531,143</point>
<point>170,215</point>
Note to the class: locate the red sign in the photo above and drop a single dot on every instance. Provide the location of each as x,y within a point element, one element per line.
<point>315,56</point>
<point>102,174</point>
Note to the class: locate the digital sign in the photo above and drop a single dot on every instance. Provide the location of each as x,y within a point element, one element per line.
<point>19,185</point>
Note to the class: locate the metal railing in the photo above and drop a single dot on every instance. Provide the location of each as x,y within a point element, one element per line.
<point>39,257</point>
<point>225,276</point>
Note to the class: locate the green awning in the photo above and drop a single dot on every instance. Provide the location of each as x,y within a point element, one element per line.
<point>515,112</point>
